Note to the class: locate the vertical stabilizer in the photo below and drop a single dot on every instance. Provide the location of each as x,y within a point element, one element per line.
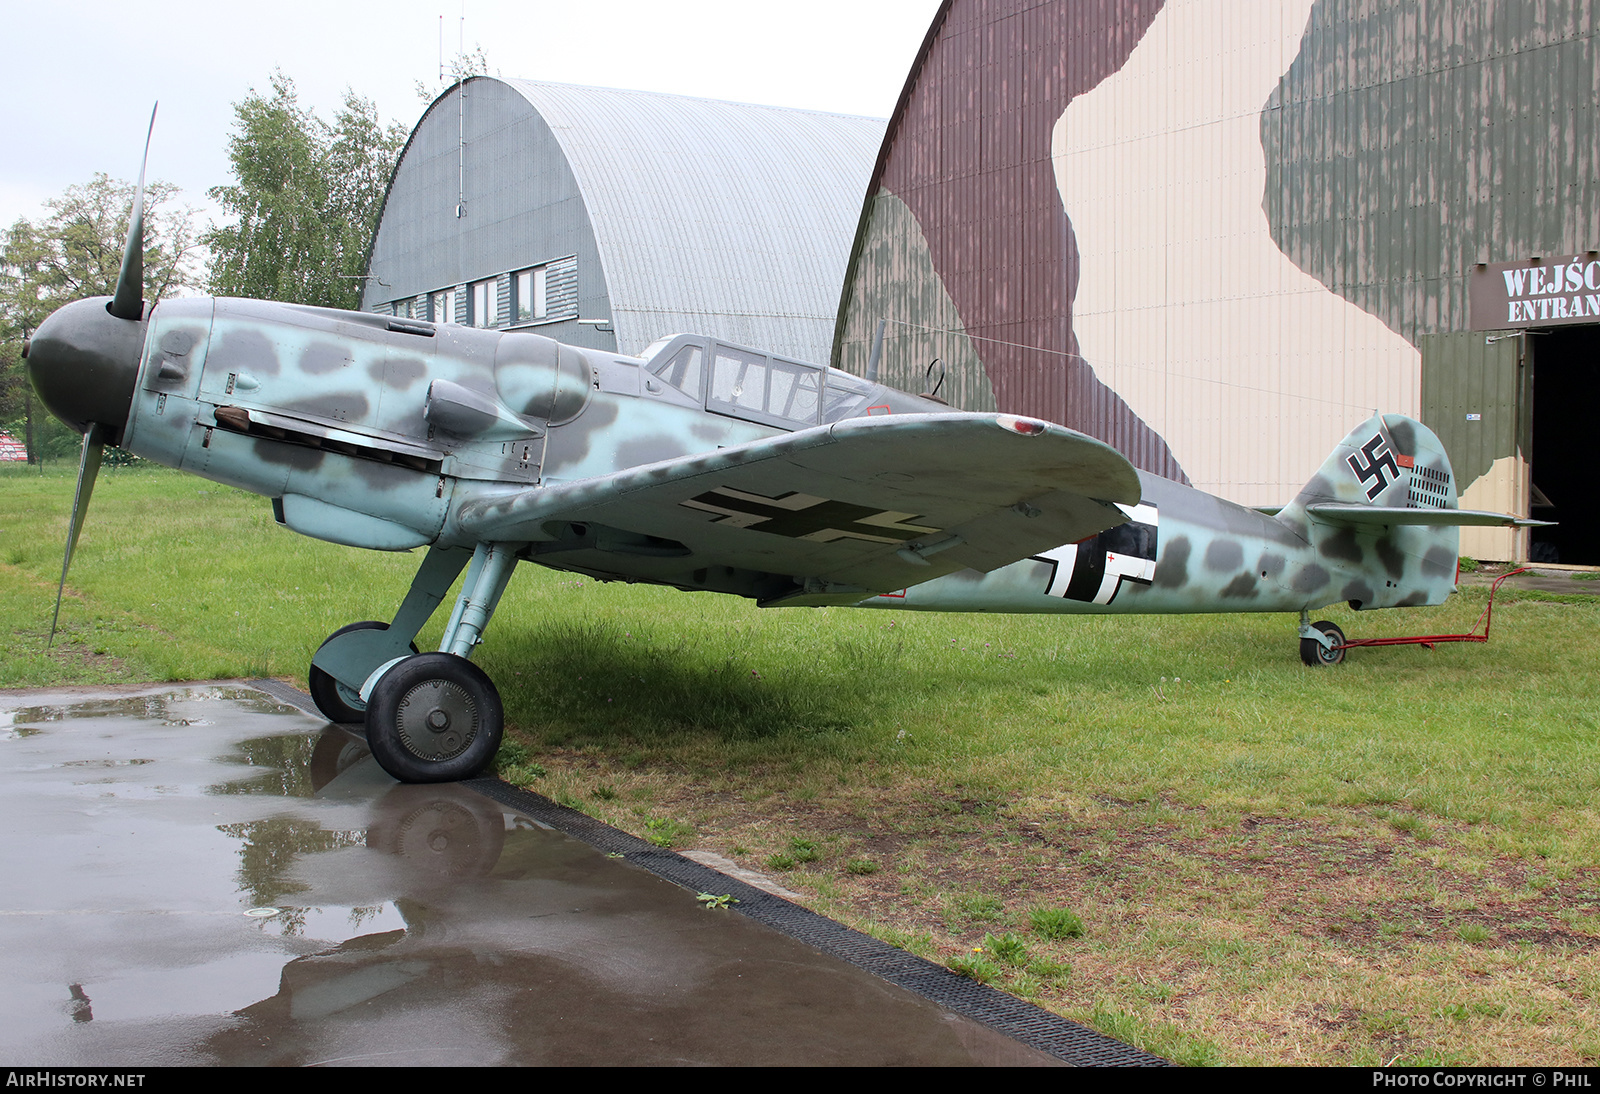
<point>1395,468</point>
<point>1389,461</point>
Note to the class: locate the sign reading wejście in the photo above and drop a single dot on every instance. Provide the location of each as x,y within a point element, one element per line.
<point>1547,293</point>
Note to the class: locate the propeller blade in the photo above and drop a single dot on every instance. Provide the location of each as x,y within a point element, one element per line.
<point>128,300</point>
<point>94,445</point>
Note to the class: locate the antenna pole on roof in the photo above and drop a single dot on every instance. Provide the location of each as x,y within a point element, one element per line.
<point>461,115</point>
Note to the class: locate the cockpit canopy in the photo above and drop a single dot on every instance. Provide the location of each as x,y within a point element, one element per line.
<point>758,387</point>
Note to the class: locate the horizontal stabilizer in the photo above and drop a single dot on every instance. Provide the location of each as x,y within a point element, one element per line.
<point>1371,516</point>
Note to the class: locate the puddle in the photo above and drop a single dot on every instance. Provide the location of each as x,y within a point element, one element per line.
<point>413,924</point>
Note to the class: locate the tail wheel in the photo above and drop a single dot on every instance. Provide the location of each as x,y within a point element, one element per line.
<point>434,718</point>
<point>340,702</point>
<point>1315,654</point>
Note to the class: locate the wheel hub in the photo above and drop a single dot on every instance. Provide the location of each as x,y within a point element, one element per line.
<point>437,720</point>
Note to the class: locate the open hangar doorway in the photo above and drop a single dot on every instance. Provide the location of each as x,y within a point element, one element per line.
<point>1565,451</point>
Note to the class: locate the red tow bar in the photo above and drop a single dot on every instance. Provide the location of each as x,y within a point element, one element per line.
<point>1429,640</point>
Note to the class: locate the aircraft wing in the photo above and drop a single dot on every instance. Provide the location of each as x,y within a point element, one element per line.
<point>1369,516</point>
<point>847,510</point>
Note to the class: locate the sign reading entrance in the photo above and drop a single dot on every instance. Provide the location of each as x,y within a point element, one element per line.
<point>1550,293</point>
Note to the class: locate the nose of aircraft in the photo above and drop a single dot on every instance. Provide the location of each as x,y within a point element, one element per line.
<point>84,363</point>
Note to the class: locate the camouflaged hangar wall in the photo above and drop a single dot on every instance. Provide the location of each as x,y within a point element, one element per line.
<point>1215,234</point>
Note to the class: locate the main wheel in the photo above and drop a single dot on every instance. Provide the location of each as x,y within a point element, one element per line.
<point>1315,654</point>
<point>434,718</point>
<point>339,702</point>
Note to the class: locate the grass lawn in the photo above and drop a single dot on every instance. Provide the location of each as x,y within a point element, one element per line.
<point>1165,827</point>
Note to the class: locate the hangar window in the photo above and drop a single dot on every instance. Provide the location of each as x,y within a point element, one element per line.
<point>532,295</point>
<point>441,306</point>
<point>481,304</point>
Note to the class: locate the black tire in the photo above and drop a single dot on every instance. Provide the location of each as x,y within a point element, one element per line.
<point>337,702</point>
<point>434,718</point>
<point>1317,655</point>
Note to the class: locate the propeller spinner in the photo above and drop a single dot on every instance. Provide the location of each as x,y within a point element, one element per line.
<point>84,363</point>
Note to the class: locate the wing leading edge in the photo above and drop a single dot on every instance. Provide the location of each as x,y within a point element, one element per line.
<point>835,513</point>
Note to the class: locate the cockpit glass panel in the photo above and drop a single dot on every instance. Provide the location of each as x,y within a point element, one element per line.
<point>739,379</point>
<point>795,392</point>
<point>749,384</point>
<point>844,395</point>
<point>682,370</point>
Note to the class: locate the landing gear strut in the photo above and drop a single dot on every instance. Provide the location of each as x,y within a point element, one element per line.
<point>429,717</point>
<point>1327,648</point>
<point>339,702</point>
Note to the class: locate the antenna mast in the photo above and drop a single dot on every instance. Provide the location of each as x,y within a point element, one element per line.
<point>461,113</point>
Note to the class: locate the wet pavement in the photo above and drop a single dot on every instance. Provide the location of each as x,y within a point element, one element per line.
<point>206,874</point>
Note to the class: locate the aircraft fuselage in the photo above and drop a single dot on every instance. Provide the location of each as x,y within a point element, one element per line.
<point>373,431</point>
<point>1184,551</point>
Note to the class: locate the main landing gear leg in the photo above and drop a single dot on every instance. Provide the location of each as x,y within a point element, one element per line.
<point>351,654</point>
<point>436,717</point>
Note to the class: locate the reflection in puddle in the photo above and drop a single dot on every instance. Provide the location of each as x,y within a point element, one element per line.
<point>333,923</point>
<point>442,832</point>
<point>270,848</point>
<point>283,765</point>
<point>9,728</point>
<point>80,1006</point>
<point>165,707</point>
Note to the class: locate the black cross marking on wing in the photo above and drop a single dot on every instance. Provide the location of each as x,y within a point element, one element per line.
<point>804,516</point>
<point>1377,461</point>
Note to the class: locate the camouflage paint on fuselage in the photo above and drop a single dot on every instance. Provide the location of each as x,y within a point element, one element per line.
<point>376,432</point>
<point>1213,556</point>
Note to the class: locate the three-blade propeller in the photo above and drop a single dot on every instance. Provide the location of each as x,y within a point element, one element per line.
<point>127,302</point>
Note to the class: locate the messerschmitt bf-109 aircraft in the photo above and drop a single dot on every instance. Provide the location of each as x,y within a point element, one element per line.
<point>700,465</point>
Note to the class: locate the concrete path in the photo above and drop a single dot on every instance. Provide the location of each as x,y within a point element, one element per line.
<point>205,874</point>
<point>1581,581</point>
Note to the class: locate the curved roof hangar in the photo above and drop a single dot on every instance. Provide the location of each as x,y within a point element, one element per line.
<point>519,203</point>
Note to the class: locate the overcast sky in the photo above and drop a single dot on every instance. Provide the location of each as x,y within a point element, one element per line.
<point>80,77</point>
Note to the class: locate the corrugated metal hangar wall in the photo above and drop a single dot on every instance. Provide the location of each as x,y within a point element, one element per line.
<point>536,206</point>
<point>1217,234</point>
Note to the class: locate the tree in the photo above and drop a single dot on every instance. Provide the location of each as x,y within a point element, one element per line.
<point>305,199</point>
<point>462,66</point>
<point>73,252</point>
